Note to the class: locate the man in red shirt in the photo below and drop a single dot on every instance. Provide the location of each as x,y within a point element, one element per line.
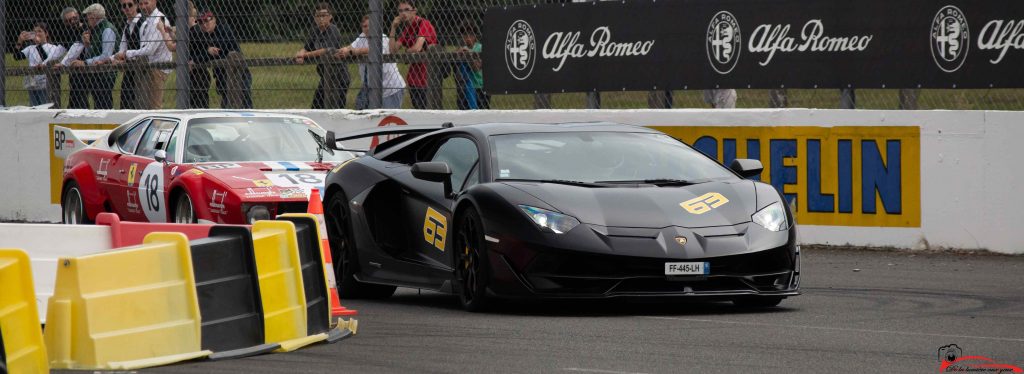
<point>417,34</point>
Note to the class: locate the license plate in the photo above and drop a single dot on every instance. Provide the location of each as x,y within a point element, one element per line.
<point>687,268</point>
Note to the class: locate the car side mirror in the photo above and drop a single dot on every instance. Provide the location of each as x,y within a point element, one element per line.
<point>329,140</point>
<point>746,167</point>
<point>434,172</point>
<point>160,156</point>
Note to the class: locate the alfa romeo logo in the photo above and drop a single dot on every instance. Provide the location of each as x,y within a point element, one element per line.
<point>950,38</point>
<point>723,42</point>
<point>520,49</point>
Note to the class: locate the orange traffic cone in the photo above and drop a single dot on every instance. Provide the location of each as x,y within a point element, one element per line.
<point>316,208</point>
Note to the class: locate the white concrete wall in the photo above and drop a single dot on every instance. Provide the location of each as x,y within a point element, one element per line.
<point>969,194</point>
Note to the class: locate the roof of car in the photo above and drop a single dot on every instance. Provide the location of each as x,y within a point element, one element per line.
<point>523,128</point>
<point>189,115</point>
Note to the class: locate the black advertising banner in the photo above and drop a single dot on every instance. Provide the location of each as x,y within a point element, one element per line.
<point>698,44</point>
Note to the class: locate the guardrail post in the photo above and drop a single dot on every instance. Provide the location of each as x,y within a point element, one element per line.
<point>3,57</point>
<point>184,79</point>
<point>375,63</point>
<point>847,98</point>
<point>53,85</point>
<point>593,100</point>
<point>435,77</point>
<point>143,81</point>
<point>235,85</point>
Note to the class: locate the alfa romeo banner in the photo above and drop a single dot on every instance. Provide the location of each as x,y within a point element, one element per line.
<point>695,44</point>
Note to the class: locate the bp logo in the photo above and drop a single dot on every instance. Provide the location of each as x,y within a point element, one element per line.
<point>520,49</point>
<point>723,42</point>
<point>950,38</point>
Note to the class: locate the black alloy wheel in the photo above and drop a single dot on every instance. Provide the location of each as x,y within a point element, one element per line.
<point>344,256</point>
<point>472,270</point>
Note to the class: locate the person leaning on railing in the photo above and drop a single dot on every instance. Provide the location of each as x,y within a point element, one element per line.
<point>153,47</point>
<point>322,37</point>
<point>94,49</point>
<point>416,35</point>
<point>38,54</point>
<point>210,41</point>
<point>393,83</point>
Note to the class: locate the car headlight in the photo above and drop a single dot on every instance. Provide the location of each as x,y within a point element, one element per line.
<point>772,217</point>
<point>552,221</point>
<point>257,213</point>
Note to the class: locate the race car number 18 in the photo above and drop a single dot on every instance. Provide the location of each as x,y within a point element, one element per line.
<point>151,192</point>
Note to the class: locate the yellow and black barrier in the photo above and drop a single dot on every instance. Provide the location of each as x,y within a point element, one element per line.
<point>318,302</point>
<point>21,339</point>
<point>227,285</point>
<point>126,309</point>
<point>281,285</point>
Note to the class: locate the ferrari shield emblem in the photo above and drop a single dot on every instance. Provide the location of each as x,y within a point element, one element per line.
<point>681,240</point>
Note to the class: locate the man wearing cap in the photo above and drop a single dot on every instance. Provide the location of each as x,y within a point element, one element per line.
<point>94,49</point>
<point>210,41</point>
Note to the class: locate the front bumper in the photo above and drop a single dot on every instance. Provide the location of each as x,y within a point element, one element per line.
<point>524,269</point>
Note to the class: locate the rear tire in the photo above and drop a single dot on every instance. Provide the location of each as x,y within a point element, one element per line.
<point>72,205</point>
<point>343,252</point>
<point>183,210</point>
<point>472,268</point>
<point>758,301</point>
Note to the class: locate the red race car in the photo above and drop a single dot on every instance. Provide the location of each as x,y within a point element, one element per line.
<point>211,167</point>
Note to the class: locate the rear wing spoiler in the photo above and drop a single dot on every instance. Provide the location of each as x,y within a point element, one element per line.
<point>67,141</point>
<point>331,139</point>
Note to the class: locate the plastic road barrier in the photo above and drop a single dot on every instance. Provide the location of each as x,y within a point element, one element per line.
<point>21,339</point>
<point>318,313</point>
<point>281,286</point>
<point>126,309</point>
<point>124,233</point>
<point>227,285</point>
<point>316,208</point>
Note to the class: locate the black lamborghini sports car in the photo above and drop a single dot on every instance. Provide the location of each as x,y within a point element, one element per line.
<point>578,210</point>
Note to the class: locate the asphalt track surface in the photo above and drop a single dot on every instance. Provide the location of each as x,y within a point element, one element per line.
<point>861,311</point>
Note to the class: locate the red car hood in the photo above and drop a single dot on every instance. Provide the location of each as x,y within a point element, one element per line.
<point>266,179</point>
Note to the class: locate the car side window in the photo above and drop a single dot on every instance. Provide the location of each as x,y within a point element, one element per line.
<point>156,137</point>
<point>460,154</point>
<point>172,145</point>
<point>130,139</point>
<point>473,178</point>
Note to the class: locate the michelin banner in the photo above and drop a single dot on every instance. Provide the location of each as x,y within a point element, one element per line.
<point>699,44</point>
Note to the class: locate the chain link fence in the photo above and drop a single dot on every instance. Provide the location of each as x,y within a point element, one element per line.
<point>308,54</point>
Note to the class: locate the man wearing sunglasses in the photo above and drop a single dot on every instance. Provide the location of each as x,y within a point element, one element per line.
<point>66,33</point>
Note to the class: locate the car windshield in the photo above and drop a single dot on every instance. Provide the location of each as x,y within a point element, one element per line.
<point>255,139</point>
<point>605,157</point>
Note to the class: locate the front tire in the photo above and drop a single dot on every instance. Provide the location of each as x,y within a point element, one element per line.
<point>472,269</point>
<point>72,206</point>
<point>183,211</point>
<point>343,251</point>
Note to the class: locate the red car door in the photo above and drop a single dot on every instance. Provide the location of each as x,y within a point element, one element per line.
<point>145,179</point>
<point>119,172</point>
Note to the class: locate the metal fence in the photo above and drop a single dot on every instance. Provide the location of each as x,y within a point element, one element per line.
<point>246,53</point>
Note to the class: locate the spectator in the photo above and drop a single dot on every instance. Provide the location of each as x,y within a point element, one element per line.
<point>199,77</point>
<point>90,52</point>
<point>210,41</point>
<point>720,98</point>
<point>472,96</point>
<point>129,40</point>
<point>151,46</point>
<point>393,82</point>
<point>417,34</point>
<point>40,53</point>
<point>67,32</point>
<point>322,38</point>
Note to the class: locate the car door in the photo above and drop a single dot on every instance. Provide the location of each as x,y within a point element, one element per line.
<point>429,218</point>
<point>145,179</point>
<point>117,168</point>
